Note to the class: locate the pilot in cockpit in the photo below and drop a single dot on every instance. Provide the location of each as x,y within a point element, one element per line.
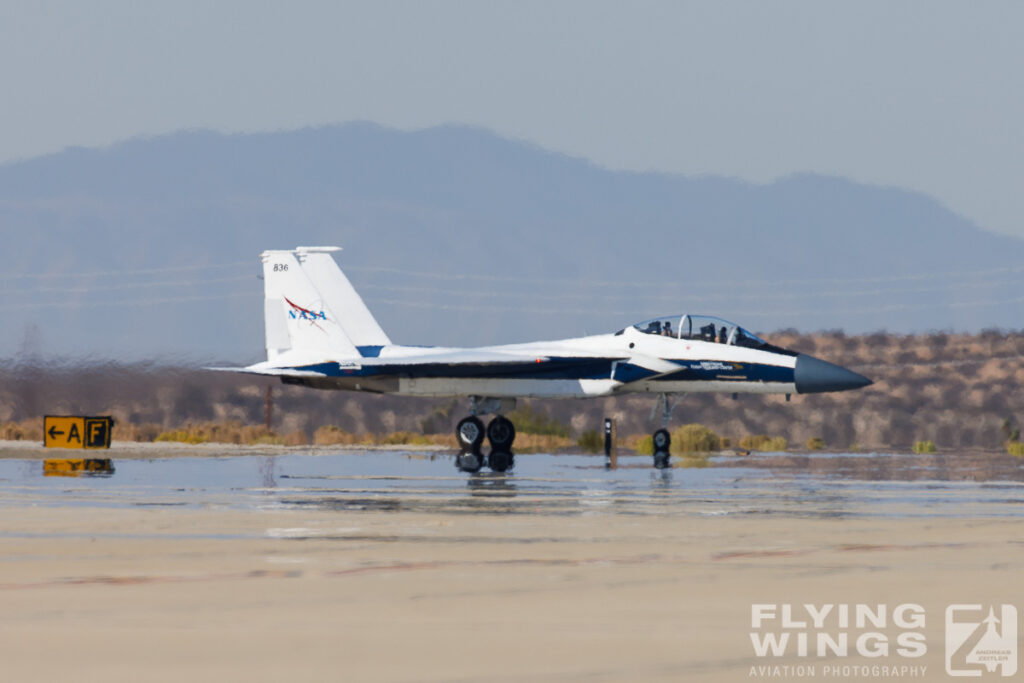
<point>723,335</point>
<point>707,332</point>
<point>667,329</point>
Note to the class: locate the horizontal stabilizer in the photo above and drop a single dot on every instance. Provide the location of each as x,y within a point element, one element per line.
<point>270,371</point>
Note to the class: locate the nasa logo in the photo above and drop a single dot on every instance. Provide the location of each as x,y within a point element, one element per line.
<point>307,315</point>
<point>300,313</point>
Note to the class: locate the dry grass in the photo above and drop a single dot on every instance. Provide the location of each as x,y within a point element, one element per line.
<point>139,433</point>
<point>331,435</point>
<point>694,438</point>
<point>230,432</point>
<point>539,443</point>
<point>763,442</point>
<point>924,447</point>
<point>642,444</point>
<point>25,430</point>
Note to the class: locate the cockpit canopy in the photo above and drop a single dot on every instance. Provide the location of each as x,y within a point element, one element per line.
<point>703,328</point>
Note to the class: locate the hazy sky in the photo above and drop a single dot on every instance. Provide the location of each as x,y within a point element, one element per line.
<point>924,95</point>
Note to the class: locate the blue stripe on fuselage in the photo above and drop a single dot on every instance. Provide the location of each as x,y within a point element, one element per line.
<point>552,368</point>
<point>567,368</point>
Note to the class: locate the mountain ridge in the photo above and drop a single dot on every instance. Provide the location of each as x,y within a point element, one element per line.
<point>455,235</point>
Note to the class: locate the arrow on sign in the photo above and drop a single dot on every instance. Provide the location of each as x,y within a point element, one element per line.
<point>54,432</point>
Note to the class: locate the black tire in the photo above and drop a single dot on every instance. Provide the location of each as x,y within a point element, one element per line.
<point>470,434</point>
<point>499,461</point>
<point>662,440</point>
<point>501,433</point>
<point>469,462</point>
<point>661,460</point>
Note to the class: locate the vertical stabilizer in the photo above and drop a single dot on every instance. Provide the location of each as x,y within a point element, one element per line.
<point>341,297</point>
<point>296,315</point>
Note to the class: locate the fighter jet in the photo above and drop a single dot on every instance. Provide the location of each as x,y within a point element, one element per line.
<point>320,334</point>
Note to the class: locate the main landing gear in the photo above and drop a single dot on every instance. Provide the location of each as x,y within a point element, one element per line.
<point>470,433</point>
<point>661,438</point>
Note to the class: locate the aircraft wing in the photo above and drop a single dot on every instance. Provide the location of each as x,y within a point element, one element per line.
<point>461,357</point>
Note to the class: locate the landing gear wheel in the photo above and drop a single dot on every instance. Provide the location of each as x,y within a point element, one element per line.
<point>662,440</point>
<point>470,433</point>
<point>500,461</point>
<point>501,433</point>
<point>469,462</point>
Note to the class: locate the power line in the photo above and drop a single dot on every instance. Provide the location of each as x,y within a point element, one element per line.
<point>550,296</point>
<point>504,310</point>
<point>127,285</point>
<point>142,271</point>
<point>124,302</point>
<point>774,296</point>
<point>718,283</point>
<point>729,282</point>
<point>754,313</point>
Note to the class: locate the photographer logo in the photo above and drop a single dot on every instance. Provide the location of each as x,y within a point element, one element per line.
<point>981,640</point>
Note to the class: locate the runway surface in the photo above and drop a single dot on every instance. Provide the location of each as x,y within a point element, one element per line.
<point>815,485</point>
<point>324,565</point>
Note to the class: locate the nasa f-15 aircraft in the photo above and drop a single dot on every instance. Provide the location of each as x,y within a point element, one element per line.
<point>320,334</point>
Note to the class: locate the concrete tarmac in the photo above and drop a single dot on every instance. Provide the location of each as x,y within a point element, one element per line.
<point>393,567</point>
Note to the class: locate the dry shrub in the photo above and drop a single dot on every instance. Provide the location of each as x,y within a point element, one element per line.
<point>25,430</point>
<point>138,433</point>
<point>642,444</point>
<point>329,435</point>
<point>1015,448</point>
<point>296,438</point>
<point>591,441</point>
<point>763,442</point>
<point>694,438</point>
<point>924,447</point>
<point>530,419</point>
<point>815,443</point>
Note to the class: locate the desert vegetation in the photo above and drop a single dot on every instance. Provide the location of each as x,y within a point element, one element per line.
<point>957,391</point>
<point>923,447</point>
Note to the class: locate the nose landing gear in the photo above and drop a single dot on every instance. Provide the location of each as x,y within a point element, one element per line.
<point>662,439</point>
<point>470,434</point>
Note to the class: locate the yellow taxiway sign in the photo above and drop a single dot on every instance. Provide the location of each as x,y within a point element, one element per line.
<point>68,431</point>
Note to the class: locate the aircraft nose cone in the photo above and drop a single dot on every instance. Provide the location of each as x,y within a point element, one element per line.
<point>813,376</point>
